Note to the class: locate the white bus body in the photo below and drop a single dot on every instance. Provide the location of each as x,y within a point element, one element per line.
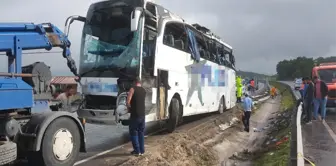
<point>197,76</point>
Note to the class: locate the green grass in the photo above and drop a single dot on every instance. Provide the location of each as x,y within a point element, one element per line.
<point>279,156</point>
<point>276,157</point>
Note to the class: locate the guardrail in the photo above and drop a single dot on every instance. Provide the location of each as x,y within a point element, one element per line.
<point>296,134</point>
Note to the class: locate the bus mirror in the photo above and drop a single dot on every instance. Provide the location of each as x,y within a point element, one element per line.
<point>135,17</point>
<point>70,20</point>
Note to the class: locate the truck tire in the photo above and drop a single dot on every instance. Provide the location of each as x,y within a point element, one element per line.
<point>60,144</point>
<point>173,120</point>
<point>8,152</point>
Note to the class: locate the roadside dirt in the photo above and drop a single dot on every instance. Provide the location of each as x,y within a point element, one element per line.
<point>207,142</point>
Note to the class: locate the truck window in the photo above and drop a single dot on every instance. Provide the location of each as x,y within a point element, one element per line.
<point>327,75</point>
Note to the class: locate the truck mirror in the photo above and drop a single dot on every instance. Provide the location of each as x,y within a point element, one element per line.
<point>70,20</point>
<point>135,17</point>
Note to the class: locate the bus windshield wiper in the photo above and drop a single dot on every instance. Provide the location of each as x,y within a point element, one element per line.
<point>100,69</point>
<point>107,68</point>
<point>113,52</point>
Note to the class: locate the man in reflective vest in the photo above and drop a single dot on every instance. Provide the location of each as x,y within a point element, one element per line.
<point>239,88</point>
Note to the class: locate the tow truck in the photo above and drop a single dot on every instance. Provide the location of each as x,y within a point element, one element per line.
<point>30,129</point>
<point>43,137</point>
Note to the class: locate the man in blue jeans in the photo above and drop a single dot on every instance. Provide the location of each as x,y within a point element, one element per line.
<point>320,100</point>
<point>136,106</point>
<point>247,105</point>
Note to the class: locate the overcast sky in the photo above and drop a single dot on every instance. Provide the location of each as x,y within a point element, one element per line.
<point>262,32</point>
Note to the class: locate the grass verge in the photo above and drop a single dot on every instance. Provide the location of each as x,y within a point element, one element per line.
<point>278,155</point>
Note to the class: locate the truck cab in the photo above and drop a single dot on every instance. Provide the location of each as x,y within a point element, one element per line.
<point>327,73</point>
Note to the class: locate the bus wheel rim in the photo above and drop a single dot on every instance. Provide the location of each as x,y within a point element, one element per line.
<point>62,144</point>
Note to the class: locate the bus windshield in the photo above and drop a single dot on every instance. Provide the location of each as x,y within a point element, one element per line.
<point>327,75</point>
<point>109,48</point>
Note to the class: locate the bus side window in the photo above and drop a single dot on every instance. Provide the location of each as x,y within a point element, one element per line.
<point>175,36</point>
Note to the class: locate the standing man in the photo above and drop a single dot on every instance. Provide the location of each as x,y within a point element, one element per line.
<point>252,86</point>
<point>65,98</point>
<point>308,99</point>
<point>136,106</point>
<point>247,105</point>
<point>320,101</point>
<point>239,87</point>
<point>302,87</point>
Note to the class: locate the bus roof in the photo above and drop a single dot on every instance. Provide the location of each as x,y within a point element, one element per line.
<point>166,14</point>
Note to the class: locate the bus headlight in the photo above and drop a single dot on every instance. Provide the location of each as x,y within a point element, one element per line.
<point>121,99</point>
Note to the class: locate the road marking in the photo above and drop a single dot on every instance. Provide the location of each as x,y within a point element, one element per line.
<point>331,133</point>
<point>108,151</point>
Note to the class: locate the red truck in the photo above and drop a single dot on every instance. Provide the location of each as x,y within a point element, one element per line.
<point>327,73</point>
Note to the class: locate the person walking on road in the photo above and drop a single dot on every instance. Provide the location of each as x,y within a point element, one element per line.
<point>308,100</point>
<point>136,106</point>
<point>252,83</point>
<point>320,94</point>
<point>247,105</point>
<point>273,92</point>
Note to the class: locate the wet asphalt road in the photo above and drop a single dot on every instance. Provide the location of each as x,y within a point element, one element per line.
<point>319,142</point>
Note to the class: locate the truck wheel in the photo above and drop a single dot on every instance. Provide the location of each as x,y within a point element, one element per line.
<point>8,152</point>
<point>174,108</point>
<point>60,144</point>
<point>221,107</point>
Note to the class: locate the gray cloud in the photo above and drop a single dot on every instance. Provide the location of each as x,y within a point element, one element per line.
<point>262,32</point>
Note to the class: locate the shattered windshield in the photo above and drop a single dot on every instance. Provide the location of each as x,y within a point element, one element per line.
<point>327,75</point>
<point>109,48</point>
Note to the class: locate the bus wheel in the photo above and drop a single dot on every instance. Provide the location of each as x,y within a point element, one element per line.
<point>174,109</point>
<point>60,144</point>
<point>221,107</point>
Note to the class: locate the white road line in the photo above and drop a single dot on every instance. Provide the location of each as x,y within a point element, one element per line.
<point>108,151</point>
<point>331,133</point>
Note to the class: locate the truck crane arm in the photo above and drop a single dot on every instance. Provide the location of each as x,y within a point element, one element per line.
<point>16,37</point>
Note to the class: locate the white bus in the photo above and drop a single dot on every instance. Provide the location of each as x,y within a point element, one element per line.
<point>185,69</point>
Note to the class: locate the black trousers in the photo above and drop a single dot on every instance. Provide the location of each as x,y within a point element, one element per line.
<point>246,120</point>
<point>239,100</point>
<point>308,108</point>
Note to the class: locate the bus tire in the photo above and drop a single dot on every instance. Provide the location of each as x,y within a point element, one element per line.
<point>8,152</point>
<point>62,132</point>
<point>222,106</point>
<point>174,109</point>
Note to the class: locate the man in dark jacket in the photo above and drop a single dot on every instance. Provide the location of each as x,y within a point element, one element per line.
<point>136,106</point>
<point>308,99</point>
<point>320,94</point>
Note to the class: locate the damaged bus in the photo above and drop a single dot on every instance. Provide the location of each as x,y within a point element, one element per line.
<point>185,68</point>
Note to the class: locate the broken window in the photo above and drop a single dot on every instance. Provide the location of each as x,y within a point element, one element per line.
<point>175,36</point>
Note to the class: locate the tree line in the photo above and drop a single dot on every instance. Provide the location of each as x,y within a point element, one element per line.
<point>299,67</point>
